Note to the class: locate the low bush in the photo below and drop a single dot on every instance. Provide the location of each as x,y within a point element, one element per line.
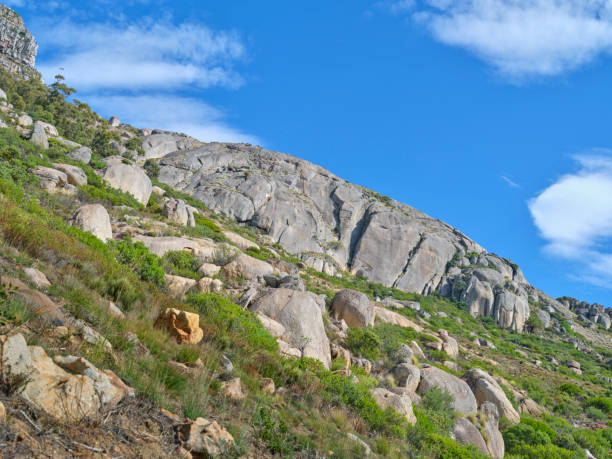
<point>137,257</point>
<point>181,263</point>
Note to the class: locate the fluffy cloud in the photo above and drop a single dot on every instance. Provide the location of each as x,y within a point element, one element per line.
<point>173,113</point>
<point>522,38</point>
<point>574,215</point>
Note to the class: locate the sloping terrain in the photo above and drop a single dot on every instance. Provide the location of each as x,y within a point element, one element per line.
<point>160,297</point>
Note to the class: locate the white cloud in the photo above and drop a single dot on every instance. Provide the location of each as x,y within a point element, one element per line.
<point>173,113</point>
<point>151,74</point>
<point>396,6</point>
<point>144,56</point>
<point>574,215</point>
<point>523,38</point>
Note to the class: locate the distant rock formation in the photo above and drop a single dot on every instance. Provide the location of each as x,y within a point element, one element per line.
<point>18,47</point>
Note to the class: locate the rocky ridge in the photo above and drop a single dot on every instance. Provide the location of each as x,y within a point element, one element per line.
<point>18,47</point>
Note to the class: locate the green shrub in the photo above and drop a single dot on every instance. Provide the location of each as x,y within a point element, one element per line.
<point>521,434</point>
<point>570,389</point>
<point>364,342</point>
<point>181,263</point>
<point>437,405</point>
<point>602,403</point>
<point>151,168</point>
<point>137,256</point>
<point>259,253</point>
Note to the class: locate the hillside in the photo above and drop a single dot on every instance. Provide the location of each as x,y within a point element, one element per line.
<point>165,297</point>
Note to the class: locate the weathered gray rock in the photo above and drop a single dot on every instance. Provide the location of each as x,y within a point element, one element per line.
<point>159,145</point>
<point>130,179</point>
<point>75,174</point>
<point>25,120</point>
<point>495,441</point>
<point>406,375</point>
<point>162,245</point>
<point>449,344</point>
<point>432,377</point>
<point>94,219</point>
<point>50,179</point>
<point>247,267</point>
<point>114,121</point>
<point>301,318</point>
<point>37,278</point>
<point>486,389</point>
<point>177,211</point>
<point>354,308</point>
<point>544,317</point>
<point>400,403</point>
<point>466,433</point>
<point>205,438</point>
<point>82,154</point>
<point>512,310</point>
<point>39,136</point>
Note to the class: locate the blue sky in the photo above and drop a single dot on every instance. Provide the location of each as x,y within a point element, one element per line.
<point>492,115</point>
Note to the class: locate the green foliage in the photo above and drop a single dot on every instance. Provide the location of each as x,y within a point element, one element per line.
<point>100,143</point>
<point>259,253</point>
<point>181,263</point>
<point>275,434</point>
<point>151,167</point>
<point>137,256</point>
<point>226,316</point>
<point>205,228</point>
<point>437,406</point>
<point>526,433</point>
<point>602,403</point>
<point>364,342</point>
<point>571,389</point>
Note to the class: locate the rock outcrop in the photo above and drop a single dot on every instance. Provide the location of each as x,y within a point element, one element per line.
<point>486,389</point>
<point>18,47</point>
<point>130,179</point>
<point>185,326</point>
<point>354,308</point>
<point>300,317</point>
<point>333,224</point>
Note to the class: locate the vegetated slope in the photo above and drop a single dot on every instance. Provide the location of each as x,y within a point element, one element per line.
<point>408,375</point>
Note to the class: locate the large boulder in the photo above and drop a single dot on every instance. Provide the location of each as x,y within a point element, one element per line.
<point>486,389</point>
<point>400,403</point>
<point>130,179</point>
<point>300,315</point>
<point>407,376</point>
<point>75,174</point>
<point>248,267</point>
<point>463,398</point>
<point>466,433</point>
<point>94,219</point>
<point>37,303</point>
<point>354,307</point>
<point>179,286</point>
<point>511,310</point>
<point>449,344</point>
<point>82,154</point>
<point>50,179</point>
<point>66,388</point>
<point>184,326</point>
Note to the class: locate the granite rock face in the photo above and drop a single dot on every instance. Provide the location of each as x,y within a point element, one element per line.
<point>18,47</point>
<point>316,215</point>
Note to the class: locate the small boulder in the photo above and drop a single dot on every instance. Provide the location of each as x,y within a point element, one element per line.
<point>208,285</point>
<point>178,212</point>
<point>50,179</point>
<point>390,317</point>
<point>205,438</point>
<point>208,270</point>
<point>466,433</point>
<point>400,403</point>
<point>267,386</point>
<point>114,122</point>
<point>37,278</point>
<point>178,286</point>
<point>242,242</point>
<point>39,136</point>
<point>449,344</point>
<point>354,308</point>
<point>185,326</point>
<point>94,219</point>
<point>407,376</point>
<point>25,120</point>
<point>233,390</point>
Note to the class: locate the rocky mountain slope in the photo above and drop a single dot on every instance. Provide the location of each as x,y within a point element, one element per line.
<point>18,47</point>
<point>164,297</point>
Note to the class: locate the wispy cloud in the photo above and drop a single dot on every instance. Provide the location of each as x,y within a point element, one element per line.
<point>143,56</point>
<point>510,182</point>
<point>151,74</point>
<point>522,38</point>
<point>574,216</point>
